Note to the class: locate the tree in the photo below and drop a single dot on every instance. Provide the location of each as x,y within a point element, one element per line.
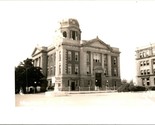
<point>27,75</point>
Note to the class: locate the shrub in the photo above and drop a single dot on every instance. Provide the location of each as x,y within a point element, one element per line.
<point>151,88</point>
<point>139,88</point>
<point>124,88</point>
<point>130,87</point>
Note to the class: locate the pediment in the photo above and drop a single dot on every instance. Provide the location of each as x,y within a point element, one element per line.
<point>36,51</point>
<point>98,44</point>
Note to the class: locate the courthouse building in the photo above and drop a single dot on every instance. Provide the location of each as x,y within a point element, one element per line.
<point>74,64</point>
<point>145,63</point>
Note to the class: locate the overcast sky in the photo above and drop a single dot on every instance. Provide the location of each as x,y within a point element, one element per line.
<point>125,25</point>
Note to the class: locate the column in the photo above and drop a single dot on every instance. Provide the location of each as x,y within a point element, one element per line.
<point>109,65</point>
<point>91,62</point>
<point>118,65</point>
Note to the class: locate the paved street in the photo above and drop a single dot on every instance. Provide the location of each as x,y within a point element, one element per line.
<point>91,107</point>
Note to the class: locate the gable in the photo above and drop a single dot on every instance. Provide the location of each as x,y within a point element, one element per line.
<point>98,44</point>
<point>36,50</point>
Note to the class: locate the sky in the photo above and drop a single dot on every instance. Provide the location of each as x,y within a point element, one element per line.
<point>122,24</point>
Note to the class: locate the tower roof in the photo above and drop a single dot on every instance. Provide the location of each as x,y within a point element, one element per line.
<point>69,22</point>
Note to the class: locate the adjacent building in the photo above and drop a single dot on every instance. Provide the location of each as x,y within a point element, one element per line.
<point>145,64</point>
<point>74,64</point>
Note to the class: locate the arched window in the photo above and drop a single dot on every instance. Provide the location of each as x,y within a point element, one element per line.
<point>65,34</point>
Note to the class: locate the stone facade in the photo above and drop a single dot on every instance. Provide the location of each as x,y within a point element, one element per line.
<point>74,64</point>
<point>145,65</point>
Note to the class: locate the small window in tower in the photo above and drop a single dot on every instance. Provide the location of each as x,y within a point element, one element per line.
<point>65,34</point>
<point>74,35</point>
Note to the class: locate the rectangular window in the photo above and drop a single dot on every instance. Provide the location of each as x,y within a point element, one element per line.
<point>69,56</point>
<point>51,70</point>
<point>115,61</point>
<point>148,71</point>
<point>69,69</point>
<point>144,63</point>
<point>76,69</point>
<point>76,56</point>
<point>87,57</point>
<point>141,72</point>
<point>48,61</point>
<point>115,72</point>
<point>88,69</point>
<point>147,62</point>
<point>144,72</point>
<point>54,71</point>
<point>148,81</point>
<point>141,55</point>
<point>59,55</point>
<point>97,57</point>
<point>141,63</point>
<point>59,69</point>
<point>52,58</point>
<point>105,72</point>
<point>153,61</point>
<point>105,59</point>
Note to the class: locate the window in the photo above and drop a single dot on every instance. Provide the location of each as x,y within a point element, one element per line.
<point>115,72</point>
<point>153,51</point>
<point>54,70</point>
<point>147,62</point>
<point>88,60</point>
<point>59,69</point>
<point>88,69</point>
<point>59,55</point>
<point>76,56</point>
<point>105,72</point>
<point>144,54</point>
<point>148,81</point>
<point>141,72</point>
<point>51,70</point>
<point>69,56</point>
<point>143,82</point>
<point>144,63</point>
<point>105,60</point>
<point>141,63</point>
<point>115,61</point>
<point>74,35</point>
<point>144,72</point>
<point>65,34</point>
<point>154,71</point>
<point>52,59</point>
<point>153,61</point>
<point>141,55</point>
<point>69,69</point>
<point>47,60</point>
<point>148,71</point>
<point>147,53</point>
<point>97,57</point>
<point>76,69</point>
<point>48,71</point>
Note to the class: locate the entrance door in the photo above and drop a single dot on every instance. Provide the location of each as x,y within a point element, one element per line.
<point>98,79</point>
<point>72,86</point>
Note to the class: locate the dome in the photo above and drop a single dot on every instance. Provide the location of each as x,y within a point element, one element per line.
<point>69,22</point>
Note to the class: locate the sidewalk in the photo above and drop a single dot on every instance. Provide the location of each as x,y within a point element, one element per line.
<point>78,92</point>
